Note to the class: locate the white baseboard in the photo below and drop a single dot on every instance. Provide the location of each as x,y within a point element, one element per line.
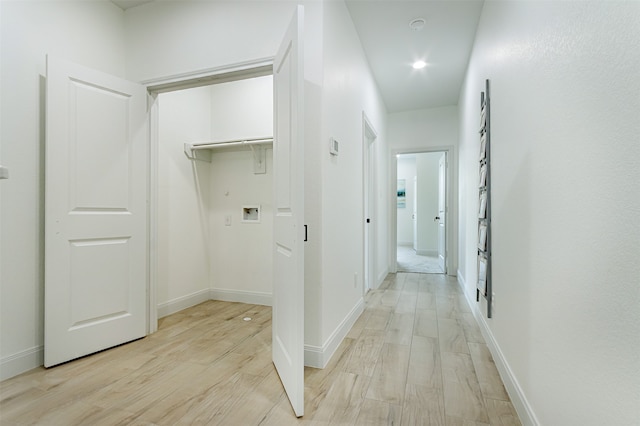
<point>251,297</point>
<point>318,357</point>
<point>22,361</point>
<point>518,399</point>
<point>427,252</point>
<point>184,302</point>
<point>313,356</point>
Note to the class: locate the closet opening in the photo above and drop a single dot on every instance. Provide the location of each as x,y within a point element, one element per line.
<point>211,186</point>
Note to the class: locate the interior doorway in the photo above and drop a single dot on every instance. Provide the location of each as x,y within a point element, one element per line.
<point>421,201</point>
<point>215,216</point>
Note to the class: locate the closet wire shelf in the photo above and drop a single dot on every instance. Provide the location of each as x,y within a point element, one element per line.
<point>201,151</point>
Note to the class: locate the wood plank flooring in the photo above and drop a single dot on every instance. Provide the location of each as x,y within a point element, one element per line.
<point>414,357</point>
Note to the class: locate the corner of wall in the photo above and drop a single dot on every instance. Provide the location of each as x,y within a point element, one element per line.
<point>319,356</point>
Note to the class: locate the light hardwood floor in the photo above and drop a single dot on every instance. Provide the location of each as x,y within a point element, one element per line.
<point>414,357</point>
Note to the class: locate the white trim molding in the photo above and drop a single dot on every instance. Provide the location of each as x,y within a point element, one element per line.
<point>318,357</point>
<point>226,295</point>
<point>183,302</point>
<point>250,297</point>
<point>22,361</point>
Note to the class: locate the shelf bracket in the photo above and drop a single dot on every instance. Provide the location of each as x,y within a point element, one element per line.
<point>259,159</point>
<point>199,154</point>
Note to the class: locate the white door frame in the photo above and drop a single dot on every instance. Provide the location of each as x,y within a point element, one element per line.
<point>233,72</point>
<point>369,191</point>
<point>449,203</point>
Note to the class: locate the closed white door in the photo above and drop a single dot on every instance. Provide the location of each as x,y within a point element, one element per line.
<point>289,232</point>
<point>442,175</point>
<point>95,212</point>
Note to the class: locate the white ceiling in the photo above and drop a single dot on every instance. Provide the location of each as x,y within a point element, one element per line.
<point>391,47</point>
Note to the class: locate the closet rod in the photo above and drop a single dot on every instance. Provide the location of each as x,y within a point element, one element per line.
<point>222,144</point>
<point>201,150</point>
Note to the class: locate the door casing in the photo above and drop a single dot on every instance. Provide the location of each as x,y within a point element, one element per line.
<point>233,72</point>
<point>449,204</point>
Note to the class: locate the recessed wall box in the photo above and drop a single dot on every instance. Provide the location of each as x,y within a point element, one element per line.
<point>333,146</point>
<point>251,214</point>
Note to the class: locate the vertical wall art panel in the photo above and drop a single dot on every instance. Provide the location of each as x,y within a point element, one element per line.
<point>483,286</point>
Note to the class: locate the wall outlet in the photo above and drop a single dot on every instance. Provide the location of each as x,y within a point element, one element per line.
<point>227,220</point>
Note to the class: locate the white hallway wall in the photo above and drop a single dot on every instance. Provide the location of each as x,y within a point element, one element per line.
<point>565,97</point>
<point>348,90</point>
<point>89,33</point>
<point>183,201</point>
<point>241,257</point>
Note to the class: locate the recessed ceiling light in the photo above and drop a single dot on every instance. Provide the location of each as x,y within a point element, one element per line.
<point>418,65</point>
<point>417,24</point>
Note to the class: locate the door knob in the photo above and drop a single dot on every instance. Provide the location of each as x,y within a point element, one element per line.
<point>436,218</point>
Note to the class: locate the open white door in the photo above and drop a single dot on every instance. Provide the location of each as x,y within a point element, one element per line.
<point>442,246</point>
<point>369,192</point>
<point>95,212</point>
<point>289,233</point>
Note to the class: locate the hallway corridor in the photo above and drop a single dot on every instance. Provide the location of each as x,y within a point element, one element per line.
<point>414,357</point>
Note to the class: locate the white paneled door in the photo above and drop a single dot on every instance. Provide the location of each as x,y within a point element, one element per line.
<point>95,211</point>
<point>289,233</point>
